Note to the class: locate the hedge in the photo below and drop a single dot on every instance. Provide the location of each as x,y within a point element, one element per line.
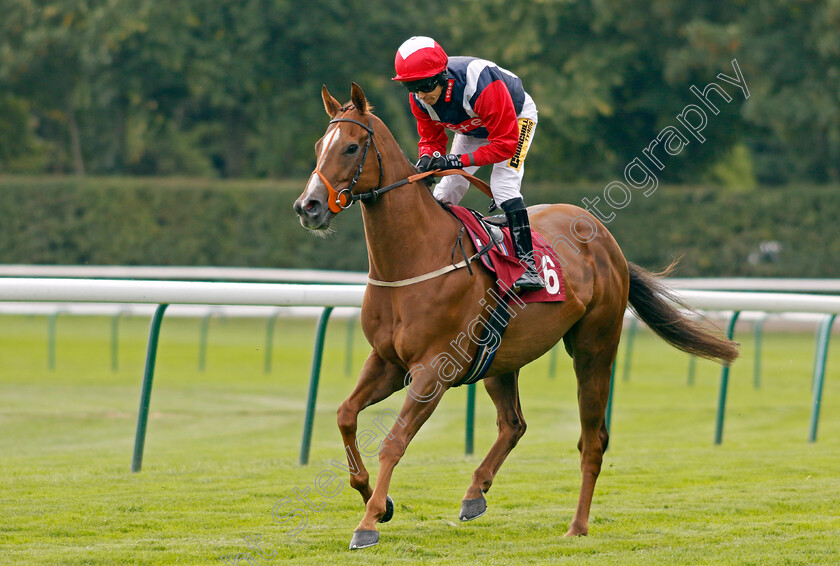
<point>148,221</point>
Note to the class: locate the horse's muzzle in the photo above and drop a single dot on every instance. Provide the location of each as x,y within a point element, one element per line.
<point>313,213</point>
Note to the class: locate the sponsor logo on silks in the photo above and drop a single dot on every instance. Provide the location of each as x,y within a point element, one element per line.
<point>465,126</point>
<point>526,126</point>
<point>449,90</point>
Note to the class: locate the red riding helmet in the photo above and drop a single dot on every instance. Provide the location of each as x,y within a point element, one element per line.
<point>419,57</point>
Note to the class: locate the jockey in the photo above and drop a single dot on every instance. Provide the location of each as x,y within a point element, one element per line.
<point>494,121</point>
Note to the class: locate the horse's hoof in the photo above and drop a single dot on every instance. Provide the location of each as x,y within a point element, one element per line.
<point>472,508</point>
<point>364,539</point>
<point>576,532</point>
<point>389,510</point>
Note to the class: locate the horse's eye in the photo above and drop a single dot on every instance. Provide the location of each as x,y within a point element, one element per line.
<point>352,148</point>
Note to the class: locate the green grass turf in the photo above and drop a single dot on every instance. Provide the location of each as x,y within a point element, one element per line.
<point>223,444</point>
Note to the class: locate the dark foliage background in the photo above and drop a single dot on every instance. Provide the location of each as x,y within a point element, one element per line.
<point>247,223</point>
<point>150,104</point>
<point>229,88</point>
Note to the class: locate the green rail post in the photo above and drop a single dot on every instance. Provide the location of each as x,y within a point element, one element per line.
<point>759,336</point>
<point>314,377</point>
<point>692,369</point>
<point>819,374</point>
<point>817,333</point>
<point>469,442</point>
<point>724,383</point>
<point>115,341</point>
<point>202,340</point>
<point>628,350</point>
<point>552,361</point>
<point>146,391</point>
<point>348,360</point>
<point>608,415</point>
<point>51,332</point>
<point>269,340</point>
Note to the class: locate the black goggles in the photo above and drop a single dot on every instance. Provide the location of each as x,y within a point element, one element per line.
<point>423,85</point>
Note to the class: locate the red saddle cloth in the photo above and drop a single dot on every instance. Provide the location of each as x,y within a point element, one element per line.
<point>501,260</point>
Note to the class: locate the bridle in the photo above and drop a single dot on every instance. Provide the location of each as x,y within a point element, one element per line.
<point>344,199</point>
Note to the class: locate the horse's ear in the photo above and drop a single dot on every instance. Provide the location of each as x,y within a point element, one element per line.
<point>331,105</point>
<point>357,96</point>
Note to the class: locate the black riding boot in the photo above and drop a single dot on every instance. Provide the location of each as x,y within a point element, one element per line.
<point>520,231</point>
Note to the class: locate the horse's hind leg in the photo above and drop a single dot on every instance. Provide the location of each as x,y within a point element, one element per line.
<point>593,344</point>
<point>377,381</point>
<point>504,392</point>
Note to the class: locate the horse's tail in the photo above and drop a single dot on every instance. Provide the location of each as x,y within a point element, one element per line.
<point>655,304</point>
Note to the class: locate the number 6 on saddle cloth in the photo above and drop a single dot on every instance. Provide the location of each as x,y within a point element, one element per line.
<point>501,261</point>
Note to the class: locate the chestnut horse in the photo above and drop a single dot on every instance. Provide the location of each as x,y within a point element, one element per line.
<point>410,325</point>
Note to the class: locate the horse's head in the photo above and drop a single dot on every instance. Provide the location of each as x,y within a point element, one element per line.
<point>344,163</point>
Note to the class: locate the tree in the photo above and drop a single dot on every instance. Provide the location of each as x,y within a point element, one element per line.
<point>230,87</point>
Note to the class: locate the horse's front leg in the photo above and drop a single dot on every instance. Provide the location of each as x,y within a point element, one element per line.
<point>504,392</point>
<point>422,397</point>
<point>377,381</point>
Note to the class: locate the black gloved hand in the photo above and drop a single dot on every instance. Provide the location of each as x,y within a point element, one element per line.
<point>423,163</point>
<point>448,161</point>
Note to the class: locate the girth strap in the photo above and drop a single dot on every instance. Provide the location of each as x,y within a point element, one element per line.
<point>437,273</point>
<point>496,325</point>
<point>420,278</point>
